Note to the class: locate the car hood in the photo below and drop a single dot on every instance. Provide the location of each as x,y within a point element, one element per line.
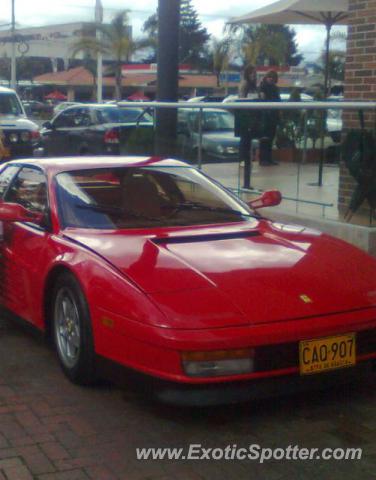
<point>222,138</point>
<point>12,121</point>
<point>264,273</point>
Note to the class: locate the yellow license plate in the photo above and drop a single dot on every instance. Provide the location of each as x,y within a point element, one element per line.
<point>330,353</point>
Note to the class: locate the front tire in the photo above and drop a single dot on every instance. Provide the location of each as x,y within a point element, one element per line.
<point>72,331</point>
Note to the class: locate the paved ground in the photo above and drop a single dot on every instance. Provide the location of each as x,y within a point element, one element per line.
<point>53,430</point>
<point>295,181</point>
<point>298,185</point>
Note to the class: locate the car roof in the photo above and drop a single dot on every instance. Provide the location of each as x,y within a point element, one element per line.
<point>100,106</point>
<point>65,164</point>
<point>6,90</point>
<point>218,110</point>
<point>284,96</point>
<point>61,104</point>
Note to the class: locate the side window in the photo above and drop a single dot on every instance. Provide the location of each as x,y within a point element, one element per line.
<point>99,117</point>
<point>9,104</point>
<point>82,118</point>
<point>65,119</point>
<point>29,190</point>
<point>6,177</point>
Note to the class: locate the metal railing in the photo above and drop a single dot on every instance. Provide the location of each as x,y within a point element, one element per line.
<point>303,106</point>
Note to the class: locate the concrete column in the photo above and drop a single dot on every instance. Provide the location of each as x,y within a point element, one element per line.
<point>71,94</point>
<point>167,75</point>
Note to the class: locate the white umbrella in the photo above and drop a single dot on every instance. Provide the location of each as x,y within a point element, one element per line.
<point>290,12</point>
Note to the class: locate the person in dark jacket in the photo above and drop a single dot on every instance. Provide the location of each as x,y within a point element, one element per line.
<point>244,120</point>
<point>269,92</point>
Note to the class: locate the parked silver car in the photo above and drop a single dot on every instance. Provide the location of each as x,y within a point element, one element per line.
<point>218,140</point>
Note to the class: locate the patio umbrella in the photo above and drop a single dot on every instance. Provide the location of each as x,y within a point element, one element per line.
<point>297,12</point>
<point>138,97</point>
<point>55,95</point>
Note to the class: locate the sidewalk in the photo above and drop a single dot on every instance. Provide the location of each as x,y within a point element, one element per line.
<point>297,183</point>
<point>51,429</point>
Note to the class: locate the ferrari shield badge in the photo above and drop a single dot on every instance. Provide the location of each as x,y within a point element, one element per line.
<point>305,298</point>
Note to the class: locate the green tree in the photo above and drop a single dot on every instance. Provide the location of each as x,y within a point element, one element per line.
<point>91,65</point>
<point>337,58</point>
<point>192,39</point>
<point>286,35</point>
<point>193,36</point>
<point>150,28</point>
<point>221,51</point>
<point>266,44</point>
<point>115,41</point>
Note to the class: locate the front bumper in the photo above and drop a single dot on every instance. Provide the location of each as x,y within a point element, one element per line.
<point>15,150</point>
<point>236,392</point>
<point>211,156</point>
<point>225,393</point>
<point>155,353</point>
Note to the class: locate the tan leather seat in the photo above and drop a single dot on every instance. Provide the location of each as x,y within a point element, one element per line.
<point>140,196</point>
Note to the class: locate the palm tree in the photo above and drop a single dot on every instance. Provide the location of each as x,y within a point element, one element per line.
<point>221,56</point>
<point>115,41</point>
<point>337,57</point>
<point>265,44</point>
<point>256,44</point>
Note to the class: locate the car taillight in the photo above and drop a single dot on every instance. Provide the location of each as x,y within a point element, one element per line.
<point>111,136</point>
<point>30,136</point>
<point>35,135</point>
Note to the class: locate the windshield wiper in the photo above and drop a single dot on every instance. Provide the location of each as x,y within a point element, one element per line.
<point>207,208</point>
<point>101,208</point>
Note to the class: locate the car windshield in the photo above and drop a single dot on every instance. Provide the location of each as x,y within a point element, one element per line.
<point>9,105</point>
<point>124,115</point>
<point>143,197</point>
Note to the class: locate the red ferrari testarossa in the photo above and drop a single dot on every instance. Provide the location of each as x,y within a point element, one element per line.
<point>151,265</point>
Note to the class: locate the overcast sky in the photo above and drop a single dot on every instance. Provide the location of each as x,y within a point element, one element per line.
<point>212,13</point>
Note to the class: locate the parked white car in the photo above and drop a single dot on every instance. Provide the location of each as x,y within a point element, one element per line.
<point>20,135</point>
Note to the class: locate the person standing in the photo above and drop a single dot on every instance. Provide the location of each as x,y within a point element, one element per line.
<point>244,120</point>
<point>269,92</point>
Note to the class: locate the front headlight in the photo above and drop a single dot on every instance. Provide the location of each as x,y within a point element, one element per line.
<point>218,363</point>
<point>13,137</point>
<point>228,149</point>
<point>25,136</point>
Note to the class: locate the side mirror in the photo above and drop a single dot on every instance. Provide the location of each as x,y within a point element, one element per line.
<point>13,212</point>
<point>48,125</point>
<point>270,198</point>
